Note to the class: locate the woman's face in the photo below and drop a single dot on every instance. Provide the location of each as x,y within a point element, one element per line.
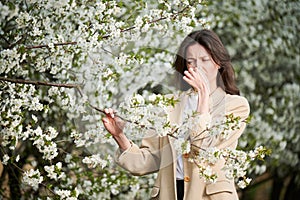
<point>197,57</point>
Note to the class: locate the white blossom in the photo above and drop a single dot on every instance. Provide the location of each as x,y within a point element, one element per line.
<point>17,158</point>
<point>95,160</point>
<point>5,159</point>
<point>32,178</point>
<point>63,194</point>
<point>54,171</point>
<point>34,118</point>
<point>241,184</point>
<point>44,142</point>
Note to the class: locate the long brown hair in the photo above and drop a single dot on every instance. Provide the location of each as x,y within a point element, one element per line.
<point>213,45</point>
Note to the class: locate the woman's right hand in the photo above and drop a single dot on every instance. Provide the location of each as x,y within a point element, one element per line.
<point>114,125</point>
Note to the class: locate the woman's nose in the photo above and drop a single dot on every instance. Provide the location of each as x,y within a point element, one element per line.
<point>199,64</point>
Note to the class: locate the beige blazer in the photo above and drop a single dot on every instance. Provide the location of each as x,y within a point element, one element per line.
<point>156,153</point>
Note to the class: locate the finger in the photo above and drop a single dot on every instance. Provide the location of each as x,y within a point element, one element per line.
<point>192,70</point>
<point>188,74</point>
<point>189,81</point>
<point>193,78</point>
<point>111,112</point>
<point>105,120</point>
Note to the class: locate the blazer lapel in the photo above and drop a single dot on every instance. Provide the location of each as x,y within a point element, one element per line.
<point>175,115</point>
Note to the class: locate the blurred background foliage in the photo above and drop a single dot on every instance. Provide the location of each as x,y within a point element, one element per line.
<point>263,39</point>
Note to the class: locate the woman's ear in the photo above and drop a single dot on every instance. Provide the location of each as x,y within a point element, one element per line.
<point>220,69</point>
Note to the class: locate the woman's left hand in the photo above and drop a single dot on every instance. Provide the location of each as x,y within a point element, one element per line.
<point>198,80</point>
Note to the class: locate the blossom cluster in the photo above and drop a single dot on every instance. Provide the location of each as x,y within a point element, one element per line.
<point>19,97</point>
<point>146,113</point>
<point>32,178</point>
<point>95,160</point>
<point>44,143</point>
<point>237,163</point>
<point>182,146</point>
<point>54,171</point>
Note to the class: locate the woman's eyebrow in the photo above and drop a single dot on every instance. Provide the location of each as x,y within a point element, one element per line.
<point>204,56</point>
<point>191,58</point>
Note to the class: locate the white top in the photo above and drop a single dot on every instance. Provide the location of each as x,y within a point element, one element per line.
<point>190,107</point>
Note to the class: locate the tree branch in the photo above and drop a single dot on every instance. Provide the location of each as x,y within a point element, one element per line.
<point>55,44</point>
<point>129,121</point>
<point>30,82</point>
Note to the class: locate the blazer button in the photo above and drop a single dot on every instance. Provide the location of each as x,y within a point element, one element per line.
<point>187,179</point>
<point>186,155</point>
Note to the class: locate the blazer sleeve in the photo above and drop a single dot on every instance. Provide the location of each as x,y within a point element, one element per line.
<point>239,107</point>
<point>236,105</point>
<point>141,160</point>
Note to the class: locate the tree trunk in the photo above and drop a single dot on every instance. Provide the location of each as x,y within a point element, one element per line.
<point>276,188</point>
<point>293,190</point>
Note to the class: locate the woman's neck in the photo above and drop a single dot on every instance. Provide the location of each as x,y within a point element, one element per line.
<point>212,86</point>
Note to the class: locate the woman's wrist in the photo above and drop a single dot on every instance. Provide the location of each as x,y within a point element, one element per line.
<point>203,110</point>
<point>122,141</point>
<point>203,105</point>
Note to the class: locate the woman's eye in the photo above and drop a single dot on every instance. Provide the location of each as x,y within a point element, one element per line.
<point>191,62</point>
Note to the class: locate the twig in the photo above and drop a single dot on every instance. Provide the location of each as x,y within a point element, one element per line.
<point>108,51</point>
<point>43,184</point>
<point>127,120</point>
<point>173,136</point>
<point>208,129</point>
<point>30,82</point>
<point>5,40</point>
<point>55,44</point>
<point>12,170</point>
<point>17,167</point>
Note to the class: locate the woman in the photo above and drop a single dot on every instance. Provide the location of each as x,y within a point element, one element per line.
<point>206,67</point>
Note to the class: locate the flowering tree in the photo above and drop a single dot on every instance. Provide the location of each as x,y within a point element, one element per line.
<point>56,59</point>
<point>262,38</point>
<point>61,62</point>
